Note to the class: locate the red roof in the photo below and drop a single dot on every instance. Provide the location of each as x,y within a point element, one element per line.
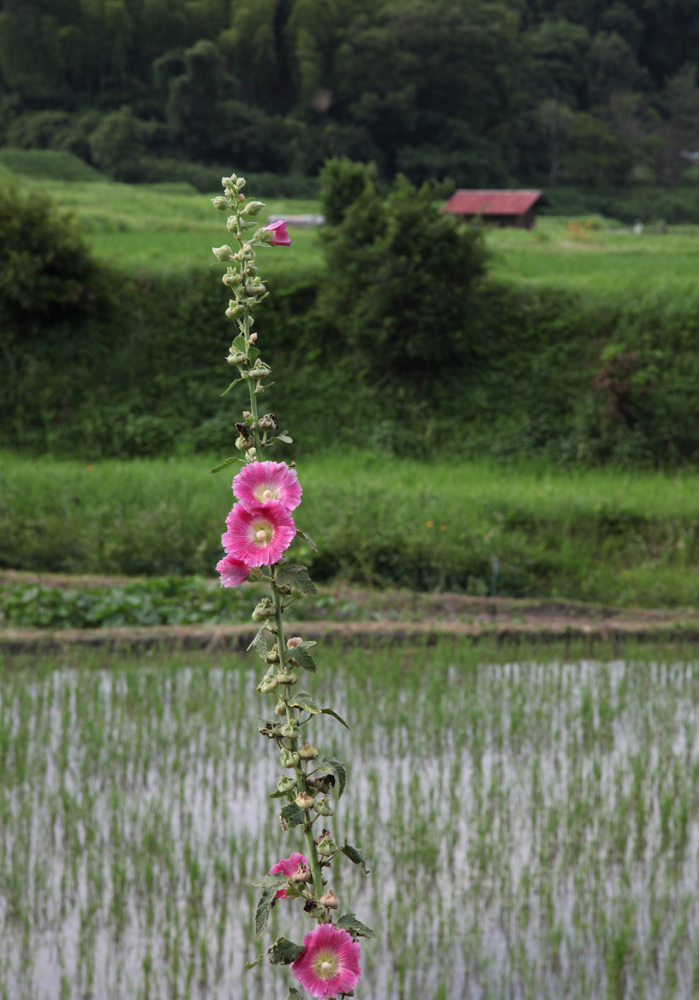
<point>465,202</point>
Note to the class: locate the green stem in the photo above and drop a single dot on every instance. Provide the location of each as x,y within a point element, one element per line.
<point>313,859</point>
<point>251,390</point>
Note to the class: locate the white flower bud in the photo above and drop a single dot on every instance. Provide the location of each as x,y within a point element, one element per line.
<point>223,253</point>
<point>240,183</point>
<point>229,181</point>
<point>254,207</point>
<point>220,203</point>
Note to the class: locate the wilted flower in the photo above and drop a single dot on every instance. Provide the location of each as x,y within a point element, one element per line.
<point>287,866</point>
<point>329,964</point>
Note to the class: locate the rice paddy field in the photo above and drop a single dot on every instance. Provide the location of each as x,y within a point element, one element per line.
<point>170,227</point>
<point>529,818</point>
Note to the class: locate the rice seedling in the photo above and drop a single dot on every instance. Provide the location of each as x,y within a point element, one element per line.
<point>530,820</point>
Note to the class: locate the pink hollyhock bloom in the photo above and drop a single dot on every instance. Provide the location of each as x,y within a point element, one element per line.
<point>280,237</point>
<point>258,537</point>
<point>233,571</point>
<point>330,963</point>
<point>287,866</point>
<point>267,482</point>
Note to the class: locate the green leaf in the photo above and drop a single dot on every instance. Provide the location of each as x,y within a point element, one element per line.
<point>253,355</point>
<point>296,576</point>
<point>302,699</point>
<point>349,922</point>
<point>283,951</point>
<point>233,383</point>
<point>292,815</point>
<point>229,461</point>
<point>259,643</point>
<point>272,884</point>
<point>328,763</point>
<point>355,856</point>
<point>307,538</point>
<point>329,711</point>
<point>239,343</point>
<point>302,658</point>
<point>294,994</point>
<point>284,436</point>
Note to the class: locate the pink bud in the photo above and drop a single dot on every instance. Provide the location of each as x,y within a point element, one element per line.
<point>280,237</point>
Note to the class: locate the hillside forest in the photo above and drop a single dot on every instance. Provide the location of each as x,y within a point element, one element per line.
<point>586,93</point>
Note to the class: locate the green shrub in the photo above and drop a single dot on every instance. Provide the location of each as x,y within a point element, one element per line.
<point>342,182</point>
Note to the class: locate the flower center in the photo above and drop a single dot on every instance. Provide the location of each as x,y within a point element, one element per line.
<point>326,965</point>
<point>262,533</point>
<point>267,492</point>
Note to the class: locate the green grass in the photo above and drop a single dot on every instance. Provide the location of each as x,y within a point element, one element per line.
<point>48,166</point>
<point>530,822</point>
<point>530,530</point>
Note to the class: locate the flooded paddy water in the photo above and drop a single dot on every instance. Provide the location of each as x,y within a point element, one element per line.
<point>531,825</point>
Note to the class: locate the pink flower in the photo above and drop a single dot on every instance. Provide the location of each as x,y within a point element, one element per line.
<point>280,237</point>
<point>258,537</point>
<point>287,866</point>
<point>330,963</point>
<point>267,483</point>
<point>233,571</point>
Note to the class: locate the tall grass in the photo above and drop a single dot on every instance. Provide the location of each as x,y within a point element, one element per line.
<point>530,825</point>
<point>528,530</point>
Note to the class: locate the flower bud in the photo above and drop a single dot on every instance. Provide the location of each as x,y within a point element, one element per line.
<point>324,807</point>
<point>294,642</point>
<point>223,253</point>
<point>220,203</point>
<point>291,731</point>
<point>272,656</point>
<point>234,310</point>
<point>326,845</point>
<point>236,358</point>
<point>240,183</point>
<point>265,609</point>
<point>254,207</point>
<point>260,371</point>
<point>241,197</point>
<point>231,279</point>
<point>330,900</point>
<point>253,336</point>
<point>268,422</point>
<point>267,685</point>
<point>251,455</point>
<point>307,752</point>
<point>286,783</point>
<point>303,800</point>
<point>232,224</point>
<point>288,677</point>
<point>289,758</point>
<point>229,181</point>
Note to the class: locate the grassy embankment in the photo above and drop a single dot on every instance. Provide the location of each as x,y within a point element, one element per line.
<point>623,538</point>
<point>530,826</point>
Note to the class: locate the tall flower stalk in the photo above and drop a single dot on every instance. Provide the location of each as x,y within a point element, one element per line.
<point>259,530</point>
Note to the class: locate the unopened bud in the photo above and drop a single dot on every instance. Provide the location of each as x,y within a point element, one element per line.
<point>272,656</point>
<point>307,752</point>
<point>267,685</point>
<point>253,337</point>
<point>294,642</point>
<point>326,846</point>
<point>223,253</point>
<point>220,203</point>
<point>236,358</point>
<point>289,758</point>
<point>303,800</point>
<point>254,207</point>
<point>330,900</point>
<point>232,224</point>
<point>240,183</point>
<point>234,310</point>
<point>268,422</point>
<point>247,414</point>
<point>241,197</point>
<point>260,371</point>
<point>265,609</point>
<point>324,807</point>
<point>286,783</point>
<point>229,181</point>
<point>288,677</point>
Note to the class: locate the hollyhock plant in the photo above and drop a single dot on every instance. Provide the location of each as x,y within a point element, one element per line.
<point>260,530</point>
<point>329,963</point>
<point>280,235</point>
<point>258,537</point>
<point>288,866</point>
<point>233,572</point>
<point>267,483</point>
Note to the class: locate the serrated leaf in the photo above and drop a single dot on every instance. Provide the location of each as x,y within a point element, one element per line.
<point>349,922</point>
<point>309,541</point>
<point>283,951</point>
<point>259,643</point>
<point>294,994</point>
<point>233,383</point>
<point>330,711</point>
<point>296,576</point>
<point>328,763</point>
<point>302,658</point>
<point>355,856</point>
<point>302,699</point>
<point>239,343</point>
<point>292,815</point>
<point>223,465</point>
<point>272,885</point>
<point>285,437</point>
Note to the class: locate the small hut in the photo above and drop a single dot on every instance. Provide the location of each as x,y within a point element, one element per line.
<point>503,208</point>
